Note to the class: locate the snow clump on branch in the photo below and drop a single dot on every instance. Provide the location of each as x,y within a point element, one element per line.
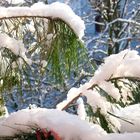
<point>55,10</point>
<point>15,46</point>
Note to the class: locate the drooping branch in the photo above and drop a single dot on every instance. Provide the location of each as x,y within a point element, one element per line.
<point>53,11</point>
<point>41,17</point>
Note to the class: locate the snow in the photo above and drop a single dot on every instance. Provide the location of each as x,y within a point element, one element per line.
<point>110,89</point>
<point>124,83</point>
<point>109,67</point>
<point>81,109</point>
<point>117,65</point>
<point>66,125</point>
<point>54,11</point>
<point>97,101</point>
<point>125,136</point>
<point>123,64</point>
<point>16,46</point>
<point>44,63</point>
<point>131,114</point>
<point>73,92</point>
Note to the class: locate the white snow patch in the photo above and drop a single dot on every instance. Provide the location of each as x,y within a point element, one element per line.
<point>81,109</point>
<point>73,92</point>
<point>15,46</point>
<point>97,101</point>
<point>131,114</point>
<point>110,89</point>
<point>66,125</point>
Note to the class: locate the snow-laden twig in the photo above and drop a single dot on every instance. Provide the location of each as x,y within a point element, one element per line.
<point>125,21</point>
<point>53,11</point>
<point>118,66</point>
<point>131,18</point>
<point>107,26</point>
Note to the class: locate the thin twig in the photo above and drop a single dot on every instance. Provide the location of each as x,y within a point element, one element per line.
<point>125,77</point>
<point>119,117</point>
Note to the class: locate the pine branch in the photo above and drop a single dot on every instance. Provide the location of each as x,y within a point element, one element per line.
<point>41,17</point>
<point>94,85</point>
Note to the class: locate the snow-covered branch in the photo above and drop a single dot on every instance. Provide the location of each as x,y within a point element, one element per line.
<point>124,21</point>
<point>53,11</point>
<point>118,66</point>
<point>15,46</point>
